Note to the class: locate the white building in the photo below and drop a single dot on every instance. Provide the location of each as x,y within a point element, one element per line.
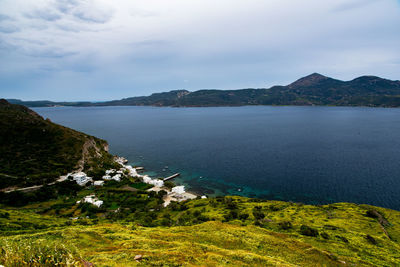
<point>98,183</point>
<point>81,178</point>
<point>121,160</point>
<point>92,199</point>
<point>106,177</point>
<point>132,171</point>
<point>117,177</point>
<point>156,182</point>
<point>110,171</point>
<point>178,189</point>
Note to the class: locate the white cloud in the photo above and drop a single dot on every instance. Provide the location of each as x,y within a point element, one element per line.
<point>137,47</point>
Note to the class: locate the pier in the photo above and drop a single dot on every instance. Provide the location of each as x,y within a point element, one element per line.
<point>172,176</point>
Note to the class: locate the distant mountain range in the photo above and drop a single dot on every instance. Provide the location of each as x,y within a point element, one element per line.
<point>314,89</point>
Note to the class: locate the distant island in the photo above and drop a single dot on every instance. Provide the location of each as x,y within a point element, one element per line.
<point>314,89</point>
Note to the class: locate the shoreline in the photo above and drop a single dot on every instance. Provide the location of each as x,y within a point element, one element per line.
<point>176,193</point>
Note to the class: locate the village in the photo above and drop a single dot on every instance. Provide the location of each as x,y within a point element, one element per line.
<point>176,193</point>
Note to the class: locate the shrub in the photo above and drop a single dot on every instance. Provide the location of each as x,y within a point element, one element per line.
<point>196,213</point>
<point>308,231</point>
<point>4,215</point>
<point>274,208</point>
<point>233,214</point>
<point>324,235</point>
<point>342,238</point>
<point>169,184</point>
<point>372,214</point>
<point>243,216</point>
<point>371,240</point>
<point>230,204</point>
<point>257,213</point>
<point>285,225</point>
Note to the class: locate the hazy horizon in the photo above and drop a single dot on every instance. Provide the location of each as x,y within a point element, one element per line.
<point>104,100</point>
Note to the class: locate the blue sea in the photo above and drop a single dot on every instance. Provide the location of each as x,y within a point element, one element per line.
<point>313,155</point>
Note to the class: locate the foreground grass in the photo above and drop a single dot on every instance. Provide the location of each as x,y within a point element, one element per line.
<point>341,234</point>
<point>207,244</point>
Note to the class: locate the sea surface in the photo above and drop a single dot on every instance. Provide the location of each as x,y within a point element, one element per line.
<point>313,155</point>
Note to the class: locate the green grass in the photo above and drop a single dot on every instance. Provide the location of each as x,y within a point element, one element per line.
<point>342,238</point>
<point>141,186</point>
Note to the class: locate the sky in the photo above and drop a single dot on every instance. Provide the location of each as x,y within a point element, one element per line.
<point>101,49</point>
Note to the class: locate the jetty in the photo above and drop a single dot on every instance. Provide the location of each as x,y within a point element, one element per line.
<point>172,176</point>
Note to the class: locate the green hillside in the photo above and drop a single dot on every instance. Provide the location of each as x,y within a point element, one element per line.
<point>314,89</point>
<point>34,151</point>
<point>273,233</point>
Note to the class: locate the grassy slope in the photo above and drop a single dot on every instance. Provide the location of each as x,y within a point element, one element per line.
<point>237,242</point>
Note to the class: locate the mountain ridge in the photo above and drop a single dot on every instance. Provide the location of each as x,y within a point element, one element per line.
<point>314,89</point>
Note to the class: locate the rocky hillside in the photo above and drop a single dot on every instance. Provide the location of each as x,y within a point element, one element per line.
<point>34,150</point>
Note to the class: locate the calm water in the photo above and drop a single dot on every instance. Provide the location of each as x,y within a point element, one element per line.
<point>303,154</point>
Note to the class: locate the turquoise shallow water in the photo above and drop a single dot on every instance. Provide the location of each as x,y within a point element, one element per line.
<point>304,154</point>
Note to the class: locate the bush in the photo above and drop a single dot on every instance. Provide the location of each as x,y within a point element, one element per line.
<point>169,184</point>
<point>308,231</point>
<point>372,214</point>
<point>285,225</point>
<point>4,215</point>
<point>371,240</point>
<point>233,214</point>
<point>324,235</point>
<point>230,204</point>
<point>342,238</point>
<point>243,216</point>
<point>274,208</point>
<point>257,213</point>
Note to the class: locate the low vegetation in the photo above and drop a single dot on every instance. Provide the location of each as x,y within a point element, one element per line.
<point>208,232</point>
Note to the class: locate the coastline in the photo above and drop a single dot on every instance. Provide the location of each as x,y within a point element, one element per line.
<point>176,193</point>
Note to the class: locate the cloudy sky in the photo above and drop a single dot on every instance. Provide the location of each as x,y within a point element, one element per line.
<point>110,49</point>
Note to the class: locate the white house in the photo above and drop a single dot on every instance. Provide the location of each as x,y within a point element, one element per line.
<point>81,178</point>
<point>98,183</point>
<point>121,160</point>
<point>106,177</point>
<point>156,182</point>
<point>132,171</point>
<point>98,203</point>
<point>110,171</point>
<point>117,177</point>
<point>92,199</point>
<point>178,189</point>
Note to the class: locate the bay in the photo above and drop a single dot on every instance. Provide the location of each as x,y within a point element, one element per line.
<point>314,155</point>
